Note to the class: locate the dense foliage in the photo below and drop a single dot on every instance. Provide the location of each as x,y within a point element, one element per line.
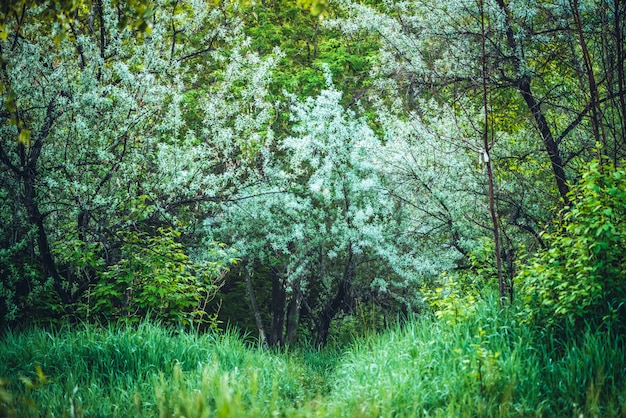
<point>420,206</point>
<point>582,275</point>
<point>99,167</point>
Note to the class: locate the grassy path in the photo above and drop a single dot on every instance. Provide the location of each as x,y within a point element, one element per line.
<point>486,365</point>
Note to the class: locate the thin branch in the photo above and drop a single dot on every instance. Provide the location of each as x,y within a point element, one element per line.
<point>20,21</point>
<point>7,161</point>
<point>196,53</point>
<point>79,47</point>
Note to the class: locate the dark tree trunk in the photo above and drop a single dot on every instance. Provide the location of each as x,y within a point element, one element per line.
<point>293,315</point>
<point>552,147</point>
<point>255,308</point>
<point>47,260</point>
<point>333,307</point>
<point>285,312</point>
<point>488,144</point>
<point>524,87</point>
<point>596,111</point>
<point>26,173</point>
<point>279,298</point>
<point>620,60</point>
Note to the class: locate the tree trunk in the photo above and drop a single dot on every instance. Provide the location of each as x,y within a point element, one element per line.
<point>255,309</point>
<point>45,253</point>
<point>488,144</point>
<point>279,298</point>
<point>332,307</point>
<point>620,60</point>
<point>29,158</point>
<point>596,111</point>
<point>293,315</point>
<point>524,87</point>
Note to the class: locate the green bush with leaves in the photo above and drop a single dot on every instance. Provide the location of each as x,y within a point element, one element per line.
<point>582,275</point>
<point>156,277</point>
<point>453,297</point>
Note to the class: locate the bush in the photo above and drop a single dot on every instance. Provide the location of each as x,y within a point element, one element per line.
<point>155,276</point>
<point>581,276</point>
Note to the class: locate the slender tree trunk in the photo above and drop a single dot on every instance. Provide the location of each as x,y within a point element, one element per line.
<point>26,172</point>
<point>552,147</point>
<point>620,60</point>
<point>596,111</point>
<point>488,144</point>
<point>293,315</point>
<point>279,298</point>
<point>524,87</point>
<point>255,309</point>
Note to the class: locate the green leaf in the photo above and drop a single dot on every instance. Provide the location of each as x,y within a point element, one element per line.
<point>24,137</point>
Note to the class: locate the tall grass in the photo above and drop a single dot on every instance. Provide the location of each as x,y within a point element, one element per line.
<point>148,371</point>
<point>486,365</point>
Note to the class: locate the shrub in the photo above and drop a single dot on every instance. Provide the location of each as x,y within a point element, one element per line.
<point>155,275</point>
<point>581,276</point>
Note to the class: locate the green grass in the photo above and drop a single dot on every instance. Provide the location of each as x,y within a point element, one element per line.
<point>147,370</point>
<point>486,365</point>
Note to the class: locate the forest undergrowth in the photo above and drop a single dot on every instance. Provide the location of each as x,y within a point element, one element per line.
<point>487,364</point>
